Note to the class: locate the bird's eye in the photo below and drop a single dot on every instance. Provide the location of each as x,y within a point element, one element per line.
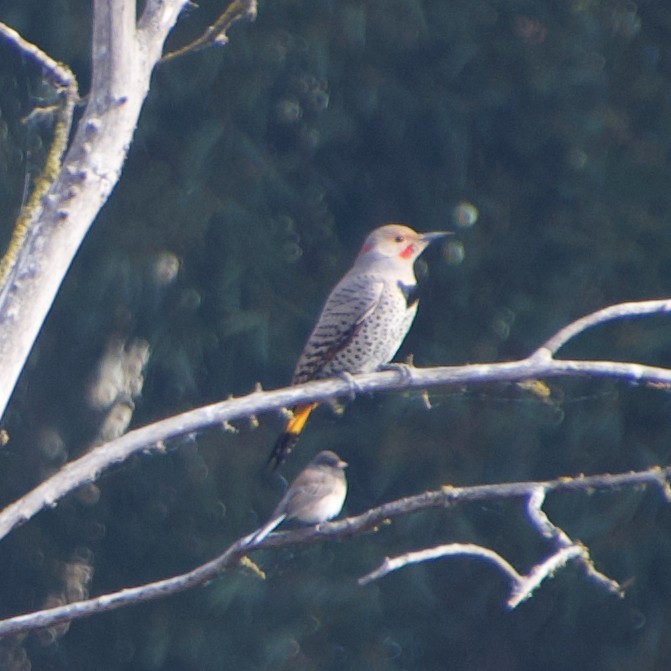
<point>399,238</point>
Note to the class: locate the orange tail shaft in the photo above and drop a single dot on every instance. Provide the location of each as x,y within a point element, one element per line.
<point>292,431</point>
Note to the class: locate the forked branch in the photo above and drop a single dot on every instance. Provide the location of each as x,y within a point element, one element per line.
<point>154,436</point>
<point>235,556</point>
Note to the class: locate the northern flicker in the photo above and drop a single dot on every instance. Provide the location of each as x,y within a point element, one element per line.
<point>364,319</point>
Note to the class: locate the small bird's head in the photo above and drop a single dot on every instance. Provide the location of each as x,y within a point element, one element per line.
<point>396,241</point>
<point>329,459</point>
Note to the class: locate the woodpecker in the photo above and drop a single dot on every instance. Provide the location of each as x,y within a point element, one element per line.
<point>364,320</point>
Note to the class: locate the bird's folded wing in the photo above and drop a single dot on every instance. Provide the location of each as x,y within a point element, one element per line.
<point>346,310</point>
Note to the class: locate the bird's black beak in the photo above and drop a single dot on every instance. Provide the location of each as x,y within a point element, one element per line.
<point>436,235</point>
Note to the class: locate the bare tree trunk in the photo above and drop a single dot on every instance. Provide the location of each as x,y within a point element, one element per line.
<point>123,58</point>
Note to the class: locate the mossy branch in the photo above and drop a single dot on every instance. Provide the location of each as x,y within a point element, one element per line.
<point>68,92</point>
<point>81,169</point>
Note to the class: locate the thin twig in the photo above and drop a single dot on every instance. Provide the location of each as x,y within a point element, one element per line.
<point>523,586</point>
<point>529,583</point>
<point>61,74</point>
<point>391,564</point>
<point>216,33</point>
<point>567,549</point>
<point>610,313</point>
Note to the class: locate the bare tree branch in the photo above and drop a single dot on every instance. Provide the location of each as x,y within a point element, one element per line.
<point>235,555</point>
<point>523,586</point>
<point>607,314</point>
<point>391,564</point>
<point>60,73</point>
<point>216,33</point>
<point>566,549</point>
<point>154,436</point>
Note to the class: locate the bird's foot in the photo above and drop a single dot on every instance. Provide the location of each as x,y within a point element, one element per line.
<point>354,388</point>
<point>403,368</point>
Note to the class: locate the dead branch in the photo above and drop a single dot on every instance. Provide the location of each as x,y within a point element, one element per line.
<point>235,556</point>
<point>153,437</point>
<point>523,585</point>
<point>217,32</point>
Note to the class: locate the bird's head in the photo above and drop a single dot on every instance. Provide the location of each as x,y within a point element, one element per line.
<point>330,459</point>
<point>399,242</point>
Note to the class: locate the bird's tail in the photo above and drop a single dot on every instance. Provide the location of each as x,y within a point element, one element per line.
<point>292,431</point>
<point>258,535</point>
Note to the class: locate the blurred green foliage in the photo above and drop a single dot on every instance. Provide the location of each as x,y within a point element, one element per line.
<point>257,170</point>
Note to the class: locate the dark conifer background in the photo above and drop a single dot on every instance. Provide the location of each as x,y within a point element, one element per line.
<point>260,167</point>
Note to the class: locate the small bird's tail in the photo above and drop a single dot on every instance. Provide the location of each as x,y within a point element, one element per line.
<point>292,431</point>
<point>258,535</point>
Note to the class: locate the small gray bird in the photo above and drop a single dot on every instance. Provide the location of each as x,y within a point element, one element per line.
<point>316,495</point>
